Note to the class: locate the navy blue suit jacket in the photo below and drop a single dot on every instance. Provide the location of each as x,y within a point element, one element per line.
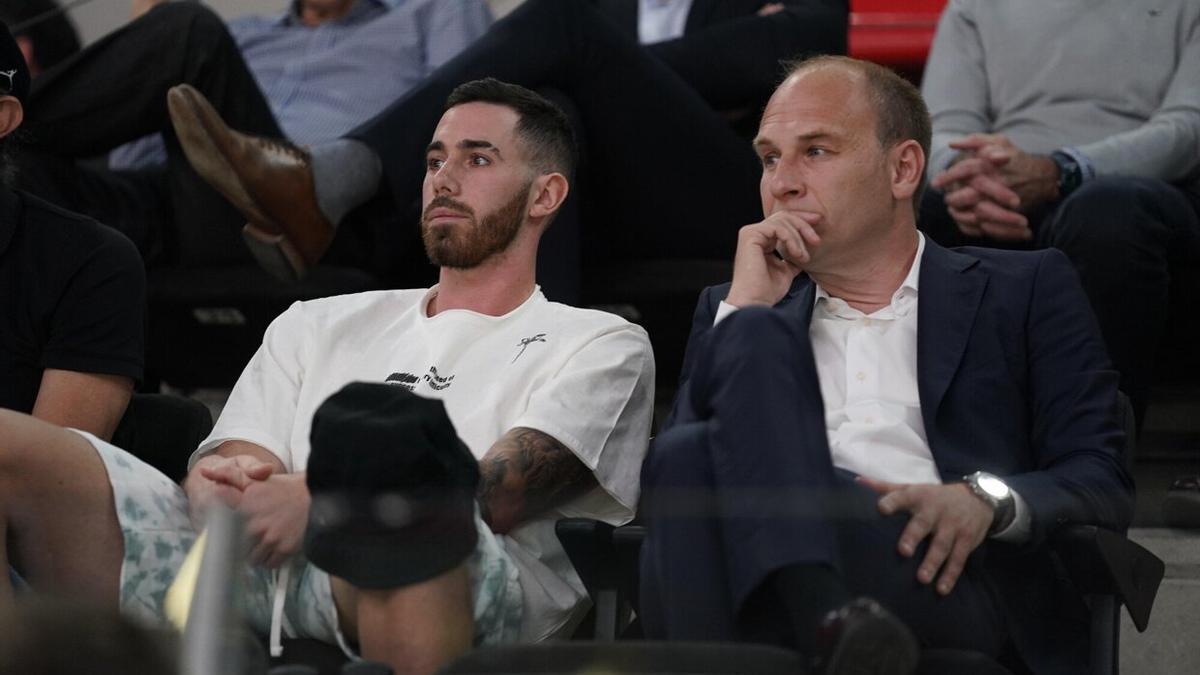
<point>1013,379</point>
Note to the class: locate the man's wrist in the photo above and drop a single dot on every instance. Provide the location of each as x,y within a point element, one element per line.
<point>994,492</point>
<point>739,300</point>
<point>1068,174</point>
<point>1045,184</point>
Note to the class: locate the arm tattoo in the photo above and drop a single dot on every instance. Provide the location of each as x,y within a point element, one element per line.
<point>525,473</point>
<point>492,469</point>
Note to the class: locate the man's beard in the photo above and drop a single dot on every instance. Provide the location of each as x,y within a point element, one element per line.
<point>467,245</point>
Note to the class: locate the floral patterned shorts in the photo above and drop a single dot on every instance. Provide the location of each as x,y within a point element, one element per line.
<point>158,533</point>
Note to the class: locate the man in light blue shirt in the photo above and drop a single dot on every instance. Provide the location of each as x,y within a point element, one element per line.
<point>311,74</point>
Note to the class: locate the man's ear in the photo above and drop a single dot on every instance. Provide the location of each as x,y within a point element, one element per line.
<point>549,192</point>
<point>11,115</point>
<point>908,167</point>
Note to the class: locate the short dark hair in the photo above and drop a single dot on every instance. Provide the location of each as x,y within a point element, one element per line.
<point>900,112</point>
<point>542,126</point>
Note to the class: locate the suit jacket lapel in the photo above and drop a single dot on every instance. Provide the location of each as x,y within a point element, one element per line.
<point>799,300</point>
<point>950,292</point>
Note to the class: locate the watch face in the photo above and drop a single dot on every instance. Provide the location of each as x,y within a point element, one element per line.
<point>993,486</point>
<point>1069,173</point>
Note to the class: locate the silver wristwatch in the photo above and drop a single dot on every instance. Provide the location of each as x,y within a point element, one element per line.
<point>995,493</point>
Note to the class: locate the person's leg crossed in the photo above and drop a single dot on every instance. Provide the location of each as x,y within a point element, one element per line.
<point>968,618</point>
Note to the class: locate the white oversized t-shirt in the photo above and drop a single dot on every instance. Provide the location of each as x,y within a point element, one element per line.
<point>582,376</point>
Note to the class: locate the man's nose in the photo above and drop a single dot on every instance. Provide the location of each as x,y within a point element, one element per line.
<point>788,180</point>
<point>445,180</point>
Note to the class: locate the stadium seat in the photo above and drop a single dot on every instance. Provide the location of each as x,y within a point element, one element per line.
<point>163,430</point>
<point>894,34</point>
<point>205,324</point>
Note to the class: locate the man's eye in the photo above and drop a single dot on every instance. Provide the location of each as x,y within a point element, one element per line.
<point>816,152</point>
<point>769,161</point>
<point>480,160</point>
<point>434,163</point>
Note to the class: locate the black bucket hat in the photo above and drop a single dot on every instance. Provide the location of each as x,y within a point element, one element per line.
<point>14,73</point>
<point>392,485</point>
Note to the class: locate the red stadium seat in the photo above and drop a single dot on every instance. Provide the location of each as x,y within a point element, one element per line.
<point>894,33</point>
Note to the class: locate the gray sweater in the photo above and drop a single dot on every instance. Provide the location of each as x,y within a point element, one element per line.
<point>1117,79</point>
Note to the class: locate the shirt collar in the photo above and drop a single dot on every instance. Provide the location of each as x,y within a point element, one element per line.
<point>360,9</point>
<point>908,288</point>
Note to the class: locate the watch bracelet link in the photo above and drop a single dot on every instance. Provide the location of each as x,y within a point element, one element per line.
<point>1003,509</point>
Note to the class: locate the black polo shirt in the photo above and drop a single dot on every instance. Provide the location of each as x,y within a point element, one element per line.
<point>72,297</point>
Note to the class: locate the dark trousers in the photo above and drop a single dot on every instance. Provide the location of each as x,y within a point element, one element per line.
<point>1123,235</point>
<point>664,175</point>
<point>114,92</point>
<point>742,484</point>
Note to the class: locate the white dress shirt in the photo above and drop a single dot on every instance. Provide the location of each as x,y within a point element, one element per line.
<point>662,20</point>
<point>867,369</point>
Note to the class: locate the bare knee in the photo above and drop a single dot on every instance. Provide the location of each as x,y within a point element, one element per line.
<point>56,507</point>
<point>13,428</point>
<point>33,452</point>
<point>415,629</point>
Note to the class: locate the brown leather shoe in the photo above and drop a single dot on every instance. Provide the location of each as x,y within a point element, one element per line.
<point>269,181</point>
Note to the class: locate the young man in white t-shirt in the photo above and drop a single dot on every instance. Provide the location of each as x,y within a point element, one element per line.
<point>555,402</point>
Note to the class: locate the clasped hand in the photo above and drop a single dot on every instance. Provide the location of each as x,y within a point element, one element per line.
<point>952,516</point>
<point>275,505</point>
<point>993,185</point>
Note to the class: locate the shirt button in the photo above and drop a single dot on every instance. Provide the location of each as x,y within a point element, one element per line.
<point>861,376</point>
<point>869,420</point>
<point>867,322</point>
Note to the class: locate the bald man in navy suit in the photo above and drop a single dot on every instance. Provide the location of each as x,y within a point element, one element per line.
<point>874,435</point>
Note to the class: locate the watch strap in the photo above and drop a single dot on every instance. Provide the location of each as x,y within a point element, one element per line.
<point>1004,511</point>
<point>1070,173</point>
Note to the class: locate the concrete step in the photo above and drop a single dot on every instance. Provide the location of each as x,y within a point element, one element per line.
<point>1171,644</point>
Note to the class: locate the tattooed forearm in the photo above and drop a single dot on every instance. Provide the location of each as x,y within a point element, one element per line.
<point>492,469</point>
<point>525,473</point>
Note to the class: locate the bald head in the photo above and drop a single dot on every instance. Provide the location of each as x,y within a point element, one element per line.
<point>897,108</point>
